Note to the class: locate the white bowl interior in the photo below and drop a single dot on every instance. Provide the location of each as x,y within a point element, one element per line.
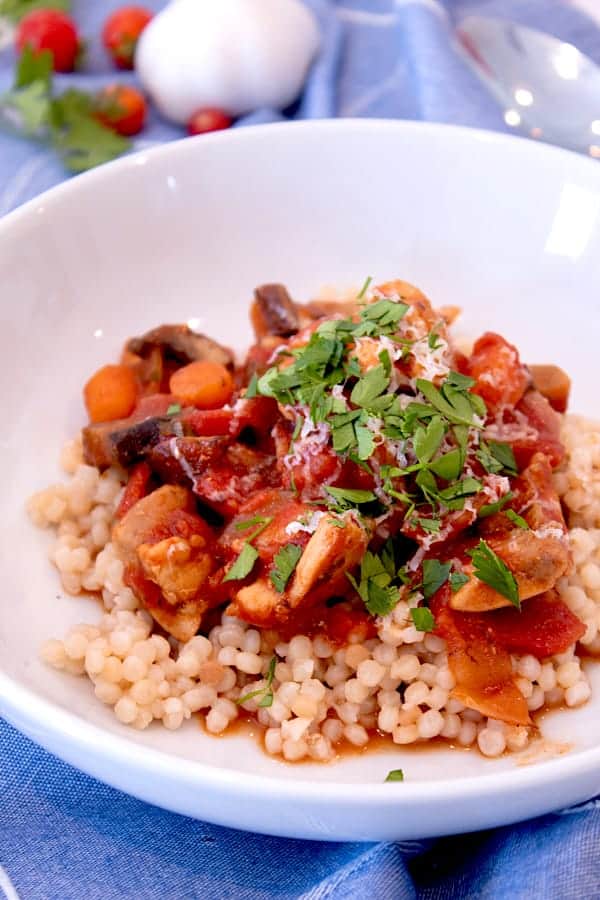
<point>507,230</point>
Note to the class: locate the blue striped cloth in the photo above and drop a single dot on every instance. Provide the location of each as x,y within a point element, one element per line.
<point>64,836</point>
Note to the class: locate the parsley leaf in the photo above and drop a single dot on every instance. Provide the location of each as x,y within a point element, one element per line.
<point>173,409</point>
<point>490,509</point>
<point>252,389</point>
<point>285,561</point>
<point>516,519</point>
<point>267,691</point>
<point>350,496</point>
<point>370,386</point>
<point>375,587</point>
<point>423,619</point>
<point>426,441</point>
<point>496,456</point>
<point>395,775</point>
<point>243,565</point>
<point>457,580</point>
<point>490,569</point>
<point>364,288</point>
<point>435,574</point>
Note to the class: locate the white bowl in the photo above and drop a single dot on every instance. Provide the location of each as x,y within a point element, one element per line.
<point>507,229</point>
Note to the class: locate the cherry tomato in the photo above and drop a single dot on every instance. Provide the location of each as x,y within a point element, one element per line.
<point>121,108</point>
<point>121,32</point>
<point>209,119</point>
<point>50,29</point>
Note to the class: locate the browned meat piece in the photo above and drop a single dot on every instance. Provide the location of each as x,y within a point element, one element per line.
<point>274,312</point>
<point>168,557</point>
<point>125,441</point>
<point>321,572</point>
<point>554,383</point>
<point>180,343</point>
<point>537,556</point>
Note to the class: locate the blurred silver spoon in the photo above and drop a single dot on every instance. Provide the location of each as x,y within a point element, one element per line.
<point>548,88</point>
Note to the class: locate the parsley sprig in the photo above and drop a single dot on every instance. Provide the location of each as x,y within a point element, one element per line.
<point>267,691</point>
<point>15,10</point>
<point>494,572</point>
<point>67,122</point>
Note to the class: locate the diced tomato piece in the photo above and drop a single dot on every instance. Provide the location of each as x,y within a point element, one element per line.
<point>501,378</point>
<point>544,626</point>
<point>153,405</point>
<point>136,488</point>
<point>257,413</point>
<point>545,425</point>
<point>210,422</point>
<point>482,669</point>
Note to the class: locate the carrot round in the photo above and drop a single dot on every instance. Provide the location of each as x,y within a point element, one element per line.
<point>111,393</point>
<point>205,384</point>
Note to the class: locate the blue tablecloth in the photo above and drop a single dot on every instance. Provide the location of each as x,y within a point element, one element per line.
<point>64,836</point>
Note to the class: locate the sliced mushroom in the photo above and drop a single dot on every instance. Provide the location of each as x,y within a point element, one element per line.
<point>125,441</point>
<point>180,343</point>
<point>554,384</point>
<point>274,312</point>
<point>537,556</point>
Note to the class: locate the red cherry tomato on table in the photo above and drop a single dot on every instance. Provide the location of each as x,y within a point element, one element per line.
<point>121,33</point>
<point>209,119</point>
<point>50,29</point>
<point>121,108</point>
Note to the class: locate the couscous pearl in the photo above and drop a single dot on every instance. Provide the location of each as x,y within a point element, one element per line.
<point>467,733</point>
<point>121,642</point>
<point>370,672</point>
<point>355,691</point>
<point>577,694</point>
<point>304,706</point>
<point>76,645</point>
<point>529,667</point>
<point>536,701</point>
<point>491,742</point>
<point>406,667</point>
<point>134,668</point>
<point>387,719</point>
<point>294,750</point>
<point>273,742</point>
<point>112,669</point>
<point>430,724</point>
<point>356,735</point>
<point>300,647</point>
<point>143,692</point>
<point>107,692</point>
<point>333,730</point>
<point>294,729</point>
<point>416,693</point>
<point>452,726</point>
<point>126,710</point>
<point>405,734</point>
<point>94,660</point>
<point>302,669</point>
<point>355,654</point>
<point>568,674</point>
<point>438,697</point>
<point>216,721</point>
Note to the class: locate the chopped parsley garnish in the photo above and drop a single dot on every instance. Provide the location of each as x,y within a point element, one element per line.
<point>285,562</point>
<point>423,619</point>
<point>435,574</point>
<point>490,569</point>
<point>496,456</point>
<point>364,288</point>
<point>395,775</point>
<point>267,691</point>
<point>243,565</point>
<point>173,409</point>
<point>349,498</point>
<point>250,523</point>
<point>458,580</point>
<point>376,585</point>
<point>15,10</point>
<point>490,509</point>
<point>252,389</point>
<point>516,519</point>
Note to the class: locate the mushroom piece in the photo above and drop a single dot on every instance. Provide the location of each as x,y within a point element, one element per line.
<point>274,312</point>
<point>181,344</point>
<point>125,441</point>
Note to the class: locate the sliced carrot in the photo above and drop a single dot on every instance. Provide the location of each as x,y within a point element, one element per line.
<point>111,393</point>
<point>205,384</point>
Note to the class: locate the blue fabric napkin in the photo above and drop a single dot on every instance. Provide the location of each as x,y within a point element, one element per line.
<point>64,836</point>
